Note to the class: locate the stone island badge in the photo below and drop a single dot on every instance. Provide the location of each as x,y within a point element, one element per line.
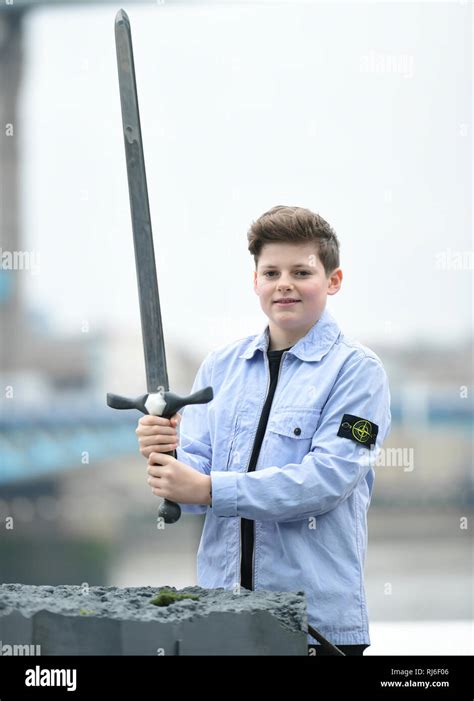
<point>359,430</point>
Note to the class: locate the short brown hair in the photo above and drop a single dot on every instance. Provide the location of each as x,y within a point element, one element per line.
<point>295,225</point>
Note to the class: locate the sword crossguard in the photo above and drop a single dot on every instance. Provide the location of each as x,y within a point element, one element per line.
<point>164,404</point>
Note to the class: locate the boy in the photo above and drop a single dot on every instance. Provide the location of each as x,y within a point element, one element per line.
<point>281,459</point>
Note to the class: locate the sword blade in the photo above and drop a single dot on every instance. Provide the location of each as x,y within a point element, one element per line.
<point>150,311</point>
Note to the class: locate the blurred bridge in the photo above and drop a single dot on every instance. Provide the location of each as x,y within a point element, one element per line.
<point>69,433</point>
<point>38,444</point>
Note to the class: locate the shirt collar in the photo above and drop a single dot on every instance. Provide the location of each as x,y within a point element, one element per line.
<point>314,346</point>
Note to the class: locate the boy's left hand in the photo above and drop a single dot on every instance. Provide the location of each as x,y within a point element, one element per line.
<point>174,480</point>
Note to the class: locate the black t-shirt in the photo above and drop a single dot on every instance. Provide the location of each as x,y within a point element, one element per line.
<point>247,526</point>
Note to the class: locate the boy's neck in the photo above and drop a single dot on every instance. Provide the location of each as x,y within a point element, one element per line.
<point>280,339</point>
<point>279,347</point>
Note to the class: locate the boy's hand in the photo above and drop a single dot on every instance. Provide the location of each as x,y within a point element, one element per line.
<point>157,435</point>
<point>174,480</point>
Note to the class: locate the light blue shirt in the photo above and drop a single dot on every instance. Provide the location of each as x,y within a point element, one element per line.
<point>311,490</point>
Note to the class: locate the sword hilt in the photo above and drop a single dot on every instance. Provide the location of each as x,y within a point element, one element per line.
<point>164,404</point>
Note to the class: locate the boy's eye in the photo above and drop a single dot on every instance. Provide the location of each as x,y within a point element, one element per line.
<point>302,272</point>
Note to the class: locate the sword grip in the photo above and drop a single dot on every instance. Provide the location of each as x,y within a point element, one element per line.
<point>169,510</point>
<point>167,405</point>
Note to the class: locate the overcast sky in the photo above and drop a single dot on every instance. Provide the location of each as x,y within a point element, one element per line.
<point>361,112</point>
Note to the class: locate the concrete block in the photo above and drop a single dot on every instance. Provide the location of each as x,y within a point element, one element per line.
<point>113,621</point>
<point>15,628</point>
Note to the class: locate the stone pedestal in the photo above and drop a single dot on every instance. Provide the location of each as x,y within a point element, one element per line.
<point>81,620</point>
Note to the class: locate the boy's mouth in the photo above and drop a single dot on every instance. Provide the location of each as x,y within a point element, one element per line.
<point>286,300</point>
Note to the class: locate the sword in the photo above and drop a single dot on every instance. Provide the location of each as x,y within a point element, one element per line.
<point>159,401</point>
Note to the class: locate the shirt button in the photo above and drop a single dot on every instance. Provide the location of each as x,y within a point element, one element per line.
<point>297,431</point>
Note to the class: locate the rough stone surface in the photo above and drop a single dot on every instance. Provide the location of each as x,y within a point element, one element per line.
<point>114,621</point>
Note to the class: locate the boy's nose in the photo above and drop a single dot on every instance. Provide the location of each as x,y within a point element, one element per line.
<point>284,285</point>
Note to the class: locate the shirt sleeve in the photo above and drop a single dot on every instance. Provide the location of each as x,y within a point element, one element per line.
<point>195,447</point>
<point>330,472</point>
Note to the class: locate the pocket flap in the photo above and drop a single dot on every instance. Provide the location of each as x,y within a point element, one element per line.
<point>298,424</point>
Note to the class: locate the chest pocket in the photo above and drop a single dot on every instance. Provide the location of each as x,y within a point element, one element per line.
<point>298,424</point>
<point>290,433</point>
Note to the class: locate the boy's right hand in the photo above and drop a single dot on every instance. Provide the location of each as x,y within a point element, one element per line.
<point>157,435</point>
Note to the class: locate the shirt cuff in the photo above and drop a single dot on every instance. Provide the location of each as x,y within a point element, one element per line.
<point>224,493</point>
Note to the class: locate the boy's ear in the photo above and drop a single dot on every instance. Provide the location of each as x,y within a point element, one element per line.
<point>255,281</point>
<point>335,281</point>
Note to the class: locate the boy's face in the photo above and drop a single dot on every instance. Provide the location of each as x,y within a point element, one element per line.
<point>293,271</point>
